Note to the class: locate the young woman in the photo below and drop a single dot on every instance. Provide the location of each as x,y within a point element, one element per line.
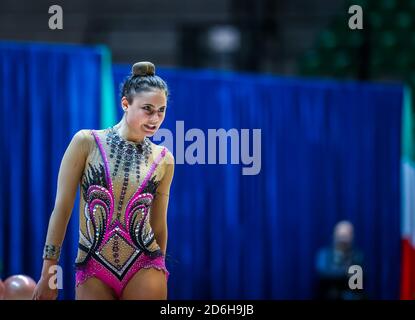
<point>124,184</point>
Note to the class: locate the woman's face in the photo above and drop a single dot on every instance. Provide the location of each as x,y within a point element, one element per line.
<point>146,113</point>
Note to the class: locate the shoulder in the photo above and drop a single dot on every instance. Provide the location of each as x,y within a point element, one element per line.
<point>168,156</point>
<point>84,139</point>
<point>84,135</point>
<point>167,163</point>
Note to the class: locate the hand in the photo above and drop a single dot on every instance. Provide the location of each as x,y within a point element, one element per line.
<point>43,290</point>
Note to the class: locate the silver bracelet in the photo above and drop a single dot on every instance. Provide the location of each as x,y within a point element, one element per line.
<point>51,252</point>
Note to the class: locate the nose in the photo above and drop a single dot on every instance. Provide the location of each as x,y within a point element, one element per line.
<point>154,118</point>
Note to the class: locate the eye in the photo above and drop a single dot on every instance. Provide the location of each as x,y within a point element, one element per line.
<point>162,109</point>
<point>147,109</point>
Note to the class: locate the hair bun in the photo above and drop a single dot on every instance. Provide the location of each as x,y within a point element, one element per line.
<point>143,68</point>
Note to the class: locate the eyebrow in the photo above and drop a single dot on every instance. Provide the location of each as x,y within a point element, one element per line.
<point>149,104</point>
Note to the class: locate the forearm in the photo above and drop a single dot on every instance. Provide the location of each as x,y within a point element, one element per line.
<point>47,288</point>
<point>58,223</point>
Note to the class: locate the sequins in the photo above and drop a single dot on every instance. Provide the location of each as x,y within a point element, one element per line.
<point>127,155</point>
<point>93,175</point>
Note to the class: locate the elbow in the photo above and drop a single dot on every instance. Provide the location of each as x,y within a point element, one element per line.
<point>61,211</point>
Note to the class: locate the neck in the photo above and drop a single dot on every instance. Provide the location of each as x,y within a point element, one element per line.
<point>126,133</point>
<point>342,246</point>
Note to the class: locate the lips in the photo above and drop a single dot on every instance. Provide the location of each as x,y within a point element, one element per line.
<point>150,128</point>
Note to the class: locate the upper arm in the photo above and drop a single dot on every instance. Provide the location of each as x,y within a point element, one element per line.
<point>159,207</point>
<point>166,180</point>
<point>71,170</point>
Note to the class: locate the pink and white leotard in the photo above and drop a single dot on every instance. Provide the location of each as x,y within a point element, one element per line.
<point>115,236</point>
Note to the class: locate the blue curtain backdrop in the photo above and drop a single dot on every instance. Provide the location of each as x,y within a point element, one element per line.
<point>47,93</point>
<point>330,151</point>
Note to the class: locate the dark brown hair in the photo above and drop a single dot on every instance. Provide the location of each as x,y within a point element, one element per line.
<point>143,78</point>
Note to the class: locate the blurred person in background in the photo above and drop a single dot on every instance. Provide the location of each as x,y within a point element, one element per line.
<point>333,262</point>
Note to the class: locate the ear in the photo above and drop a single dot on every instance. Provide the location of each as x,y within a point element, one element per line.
<point>124,103</point>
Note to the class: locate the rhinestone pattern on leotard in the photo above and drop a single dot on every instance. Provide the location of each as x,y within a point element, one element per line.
<point>114,230</point>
